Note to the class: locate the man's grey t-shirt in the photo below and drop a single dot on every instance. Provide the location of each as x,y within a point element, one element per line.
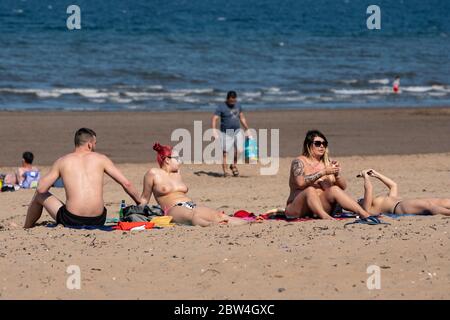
<point>229,116</point>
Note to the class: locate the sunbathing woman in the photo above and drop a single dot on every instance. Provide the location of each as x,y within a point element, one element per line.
<point>316,184</point>
<point>392,203</point>
<point>170,192</point>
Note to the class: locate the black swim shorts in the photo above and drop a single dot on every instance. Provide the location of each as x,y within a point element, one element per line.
<point>66,218</point>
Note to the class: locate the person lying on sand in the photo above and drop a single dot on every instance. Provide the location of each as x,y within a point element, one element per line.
<point>392,203</point>
<point>82,172</point>
<point>166,184</point>
<point>316,184</point>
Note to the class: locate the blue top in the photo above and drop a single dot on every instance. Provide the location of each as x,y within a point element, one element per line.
<point>31,179</point>
<point>229,116</point>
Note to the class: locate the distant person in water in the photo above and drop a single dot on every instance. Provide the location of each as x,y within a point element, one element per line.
<point>393,203</point>
<point>230,134</point>
<point>396,85</point>
<point>82,172</point>
<point>27,175</point>
<point>166,184</point>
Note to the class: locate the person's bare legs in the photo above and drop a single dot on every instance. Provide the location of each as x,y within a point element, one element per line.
<point>235,157</point>
<point>422,206</point>
<point>440,202</point>
<point>40,201</point>
<point>224,164</point>
<point>233,221</point>
<point>309,197</point>
<point>204,216</point>
<point>297,208</point>
<point>336,194</point>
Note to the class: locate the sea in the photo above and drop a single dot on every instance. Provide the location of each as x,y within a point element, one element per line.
<point>187,54</point>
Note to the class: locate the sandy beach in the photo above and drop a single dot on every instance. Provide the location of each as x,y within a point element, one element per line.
<point>271,260</point>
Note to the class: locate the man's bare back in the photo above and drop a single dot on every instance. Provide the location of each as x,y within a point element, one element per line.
<point>82,173</point>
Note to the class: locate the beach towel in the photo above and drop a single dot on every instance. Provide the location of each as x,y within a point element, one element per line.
<point>398,216</point>
<point>280,216</point>
<point>58,183</point>
<point>133,226</point>
<point>101,228</point>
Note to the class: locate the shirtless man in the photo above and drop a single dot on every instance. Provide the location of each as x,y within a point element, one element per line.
<point>82,173</point>
<point>393,203</point>
<point>166,184</point>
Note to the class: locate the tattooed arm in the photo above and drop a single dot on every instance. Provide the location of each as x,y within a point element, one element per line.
<point>301,180</point>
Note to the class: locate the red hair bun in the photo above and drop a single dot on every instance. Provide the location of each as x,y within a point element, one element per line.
<point>163,152</point>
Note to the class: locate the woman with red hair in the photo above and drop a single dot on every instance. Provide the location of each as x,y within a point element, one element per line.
<point>166,185</point>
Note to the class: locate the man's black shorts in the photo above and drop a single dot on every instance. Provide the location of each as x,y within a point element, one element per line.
<point>68,219</point>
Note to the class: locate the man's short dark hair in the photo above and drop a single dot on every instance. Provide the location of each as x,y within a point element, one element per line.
<point>83,136</point>
<point>231,94</point>
<point>28,157</point>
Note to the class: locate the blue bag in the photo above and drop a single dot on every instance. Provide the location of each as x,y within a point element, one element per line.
<point>251,150</point>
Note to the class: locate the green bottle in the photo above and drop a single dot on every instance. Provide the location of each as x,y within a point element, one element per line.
<point>122,206</point>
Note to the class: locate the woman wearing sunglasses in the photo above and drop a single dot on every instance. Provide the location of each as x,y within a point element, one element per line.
<point>316,184</point>
<point>166,184</point>
<point>392,203</point>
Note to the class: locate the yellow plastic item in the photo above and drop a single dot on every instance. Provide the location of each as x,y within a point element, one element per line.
<point>163,222</point>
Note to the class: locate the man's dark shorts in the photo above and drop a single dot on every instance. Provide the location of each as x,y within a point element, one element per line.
<point>68,219</point>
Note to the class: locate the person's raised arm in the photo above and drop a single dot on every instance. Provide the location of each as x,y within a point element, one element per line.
<point>47,181</point>
<point>340,181</point>
<point>147,188</point>
<point>393,189</point>
<point>303,181</point>
<point>112,171</point>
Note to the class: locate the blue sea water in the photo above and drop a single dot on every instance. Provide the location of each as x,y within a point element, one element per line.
<point>186,54</point>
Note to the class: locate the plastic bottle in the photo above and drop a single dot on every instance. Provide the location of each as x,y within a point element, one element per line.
<point>122,206</point>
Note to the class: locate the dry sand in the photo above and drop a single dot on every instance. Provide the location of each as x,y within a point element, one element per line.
<point>272,260</point>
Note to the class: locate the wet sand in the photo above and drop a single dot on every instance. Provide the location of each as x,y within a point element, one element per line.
<point>127,137</point>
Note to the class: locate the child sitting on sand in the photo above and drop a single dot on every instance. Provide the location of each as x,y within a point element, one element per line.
<point>392,203</point>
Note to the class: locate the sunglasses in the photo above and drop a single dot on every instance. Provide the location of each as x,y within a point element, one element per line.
<point>178,158</point>
<point>318,143</point>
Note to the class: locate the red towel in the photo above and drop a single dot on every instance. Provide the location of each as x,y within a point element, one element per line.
<point>244,214</point>
<point>127,226</point>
